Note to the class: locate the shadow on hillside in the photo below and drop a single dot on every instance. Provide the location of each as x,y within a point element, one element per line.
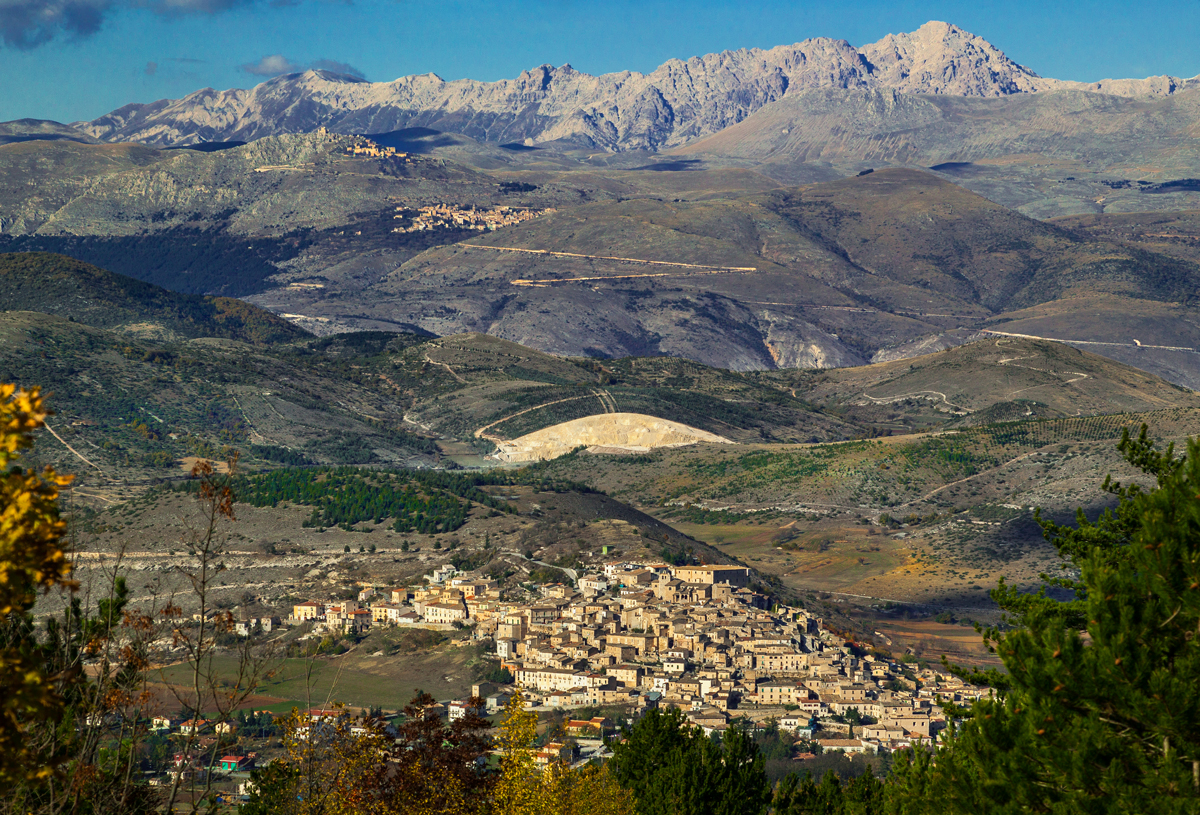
<point>418,140</point>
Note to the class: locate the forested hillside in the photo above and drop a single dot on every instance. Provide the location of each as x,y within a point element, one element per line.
<point>419,501</point>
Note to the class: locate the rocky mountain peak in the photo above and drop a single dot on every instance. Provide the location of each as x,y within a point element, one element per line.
<point>680,101</point>
<point>944,59</point>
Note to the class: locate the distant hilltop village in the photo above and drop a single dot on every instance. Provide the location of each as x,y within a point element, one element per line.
<point>362,146</point>
<point>650,634</point>
<point>446,216</point>
<point>437,216</point>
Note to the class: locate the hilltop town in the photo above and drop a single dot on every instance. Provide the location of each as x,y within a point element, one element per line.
<point>451,216</point>
<point>362,147</point>
<point>645,635</point>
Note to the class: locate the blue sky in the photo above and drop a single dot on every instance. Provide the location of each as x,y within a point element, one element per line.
<point>77,59</point>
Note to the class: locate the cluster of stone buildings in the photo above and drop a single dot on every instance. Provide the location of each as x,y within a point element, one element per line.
<point>646,635</point>
<point>446,216</point>
<point>697,638</point>
<point>450,599</point>
<point>364,147</point>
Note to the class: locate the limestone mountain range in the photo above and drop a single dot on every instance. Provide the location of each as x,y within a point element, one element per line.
<point>680,101</point>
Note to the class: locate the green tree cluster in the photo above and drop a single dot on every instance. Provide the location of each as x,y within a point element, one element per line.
<point>672,768</point>
<point>415,500</point>
<point>796,795</point>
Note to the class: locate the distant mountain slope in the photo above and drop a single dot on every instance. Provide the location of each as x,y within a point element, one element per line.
<point>991,379</point>
<point>226,222</point>
<point>825,275</point>
<point>678,102</point>
<point>887,126</point>
<point>913,229</point>
<point>20,130</point>
<point>130,407</point>
<point>38,177</point>
<point>273,186</point>
<point>63,286</point>
<point>1169,233</point>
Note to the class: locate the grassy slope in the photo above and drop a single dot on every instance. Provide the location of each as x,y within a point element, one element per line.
<point>357,679</point>
<point>1014,462</point>
<point>961,504</point>
<point>133,407</point>
<point>1169,233</point>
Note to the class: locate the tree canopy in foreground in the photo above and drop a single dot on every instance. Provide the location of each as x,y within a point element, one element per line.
<point>1098,711</point>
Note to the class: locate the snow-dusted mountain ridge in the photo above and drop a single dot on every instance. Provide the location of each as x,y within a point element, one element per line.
<point>678,102</point>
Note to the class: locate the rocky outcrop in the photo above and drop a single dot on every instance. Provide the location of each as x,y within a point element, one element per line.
<point>680,101</point>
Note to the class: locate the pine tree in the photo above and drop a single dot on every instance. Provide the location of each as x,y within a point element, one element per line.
<point>672,768</point>
<point>1099,711</point>
<point>794,795</point>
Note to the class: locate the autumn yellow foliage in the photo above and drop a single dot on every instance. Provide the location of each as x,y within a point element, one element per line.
<point>334,764</point>
<point>558,790</point>
<point>588,790</point>
<point>518,789</point>
<point>32,558</point>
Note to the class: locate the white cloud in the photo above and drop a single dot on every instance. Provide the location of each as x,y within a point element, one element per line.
<point>273,65</point>
<point>338,68</point>
<point>277,64</point>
